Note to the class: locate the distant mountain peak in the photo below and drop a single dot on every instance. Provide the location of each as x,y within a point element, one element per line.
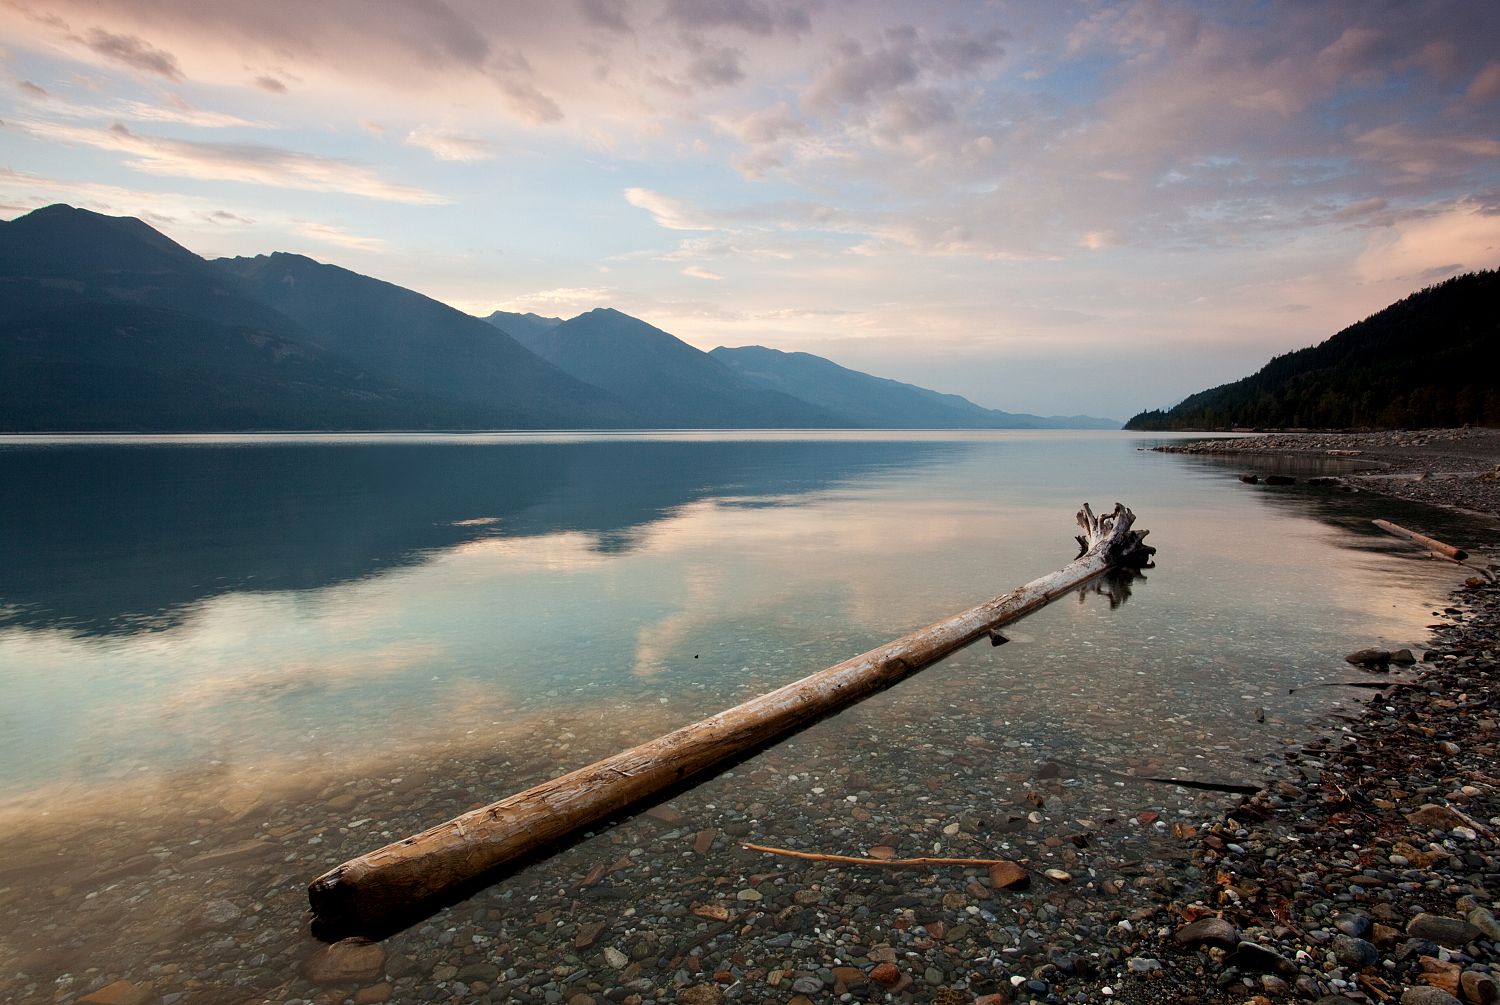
<point>67,231</point>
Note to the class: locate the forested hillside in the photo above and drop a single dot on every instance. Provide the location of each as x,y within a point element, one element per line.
<point>1428,360</point>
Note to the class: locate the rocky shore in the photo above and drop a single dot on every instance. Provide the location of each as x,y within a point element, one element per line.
<point>1454,468</point>
<point>1369,871</point>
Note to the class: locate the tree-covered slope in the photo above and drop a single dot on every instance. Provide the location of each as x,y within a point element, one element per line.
<point>1428,360</point>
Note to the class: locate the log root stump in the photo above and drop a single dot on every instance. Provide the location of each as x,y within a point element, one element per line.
<point>1110,532</point>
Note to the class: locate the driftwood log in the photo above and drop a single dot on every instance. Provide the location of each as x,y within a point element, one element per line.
<point>1430,543</point>
<point>369,892</point>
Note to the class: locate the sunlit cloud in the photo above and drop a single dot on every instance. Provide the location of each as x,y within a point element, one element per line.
<point>1421,251</point>
<point>667,212</point>
<point>173,110</point>
<point>329,234</point>
<point>449,146</point>
<point>698,272</point>
<point>248,163</point>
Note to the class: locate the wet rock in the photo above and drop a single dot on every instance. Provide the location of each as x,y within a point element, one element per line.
<point>1256,958</point>
<point>887,975</point>
<point>1427,996</point>
<point>1440,974</point>
<point>1354,953</point>
<point>375,994</point>
<point>701,994</point>
<point>120,993</point>
<point>219,914</point>
<point>348,961</point>
<point>1435,817</point>
<point>1008,875</point>
<point>1483,920</point>
<point>1479,987</point>
<point>1355,924</point>
<point>1452,932</point>
<point>1208,931</point>
<point>1369,657</point>
<point>228,855</point>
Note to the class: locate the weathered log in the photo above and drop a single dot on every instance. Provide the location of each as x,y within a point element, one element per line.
<point>366,893</point>
<point>1430,543</point>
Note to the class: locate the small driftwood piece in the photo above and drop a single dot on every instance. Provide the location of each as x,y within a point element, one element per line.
<point>368,892</point>
<point>1430,543</point>
<point>893,863</point>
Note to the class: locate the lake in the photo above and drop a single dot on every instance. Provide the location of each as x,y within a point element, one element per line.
<point>231,662</point>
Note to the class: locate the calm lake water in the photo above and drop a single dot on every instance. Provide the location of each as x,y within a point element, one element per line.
<point>203,638</point>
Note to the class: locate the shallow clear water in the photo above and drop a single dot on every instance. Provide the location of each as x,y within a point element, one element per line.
<point>228,624</point>
<point>240,599</point>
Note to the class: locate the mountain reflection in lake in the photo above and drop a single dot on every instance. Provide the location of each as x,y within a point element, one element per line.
<point>297,649</point>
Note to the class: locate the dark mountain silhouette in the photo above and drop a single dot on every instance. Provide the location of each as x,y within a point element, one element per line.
<point>402,336</point>
<point>1428,360</point>
<point>515,325</point>
<point>878,402</point>
<point>105,324</point>
<point>676,385</point>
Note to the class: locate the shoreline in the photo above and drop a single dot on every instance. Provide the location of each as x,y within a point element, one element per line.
<point>1457,469</point>
<point>1369,871</point>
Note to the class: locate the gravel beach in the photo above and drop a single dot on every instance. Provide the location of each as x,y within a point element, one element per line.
<point>1366,868</point>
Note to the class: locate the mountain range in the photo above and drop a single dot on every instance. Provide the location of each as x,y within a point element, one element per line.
<point>108,325</point>
<point>1425,361</point>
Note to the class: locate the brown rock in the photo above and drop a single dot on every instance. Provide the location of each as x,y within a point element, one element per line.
<point>713,912</point>
<point>1369,657</point>
<point>666,814</point>
<point>349,961</point>
<point>582,998</point>
<point>587,934</point>
<point>994,999</point>
<point>120,993</point>
<point>701,994</point>
<point>232,853</point>
<point>1004,875</point>
<point>1208,931</point>
<point>850,977</point>
<point>704,840</point>
<point>1439,974</point>
<point>1478,987</point>
<point>1435,817</point>
<point>884,852</point>
<point>375,994</point>
<point>887,975</point>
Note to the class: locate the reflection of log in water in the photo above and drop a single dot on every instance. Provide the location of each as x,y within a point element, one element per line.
<point>399,879</point>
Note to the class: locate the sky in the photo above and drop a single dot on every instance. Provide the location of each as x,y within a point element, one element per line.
<point>1056,208</point>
